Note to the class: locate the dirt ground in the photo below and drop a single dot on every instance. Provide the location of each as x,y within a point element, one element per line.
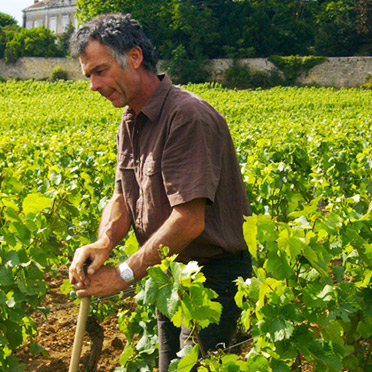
<point>56,336</point>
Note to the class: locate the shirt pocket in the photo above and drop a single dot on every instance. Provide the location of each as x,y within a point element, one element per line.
<point>126,174</point>
<point>152,186</point>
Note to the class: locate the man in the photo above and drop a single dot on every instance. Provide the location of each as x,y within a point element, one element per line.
<point>178,182</point>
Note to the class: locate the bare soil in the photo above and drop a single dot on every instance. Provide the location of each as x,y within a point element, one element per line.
<point>56,336</point>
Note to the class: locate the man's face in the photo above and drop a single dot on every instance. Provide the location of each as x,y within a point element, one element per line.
<point>118,85</point>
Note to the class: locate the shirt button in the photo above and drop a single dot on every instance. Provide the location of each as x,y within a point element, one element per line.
<point>137,161</point>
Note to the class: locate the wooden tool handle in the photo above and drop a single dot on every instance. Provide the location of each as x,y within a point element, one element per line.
<point>79,334</point>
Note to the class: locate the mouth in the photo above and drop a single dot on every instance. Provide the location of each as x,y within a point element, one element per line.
<point>110,95</point>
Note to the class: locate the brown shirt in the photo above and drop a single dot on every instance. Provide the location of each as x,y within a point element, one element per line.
<point>178,148</point>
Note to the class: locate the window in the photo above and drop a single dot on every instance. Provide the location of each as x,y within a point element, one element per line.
<point>65,22</point>
<point>28,25</point>
<point>38,23</point>
<point>53,24</point>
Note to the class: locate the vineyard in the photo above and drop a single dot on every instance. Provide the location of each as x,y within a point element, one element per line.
<point>306,160</point>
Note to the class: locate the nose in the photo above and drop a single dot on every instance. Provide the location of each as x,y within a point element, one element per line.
<point>95,83</point>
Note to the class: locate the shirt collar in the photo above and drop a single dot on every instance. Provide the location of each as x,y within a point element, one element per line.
<point>154,105</point>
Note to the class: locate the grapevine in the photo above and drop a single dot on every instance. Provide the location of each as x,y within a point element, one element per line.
<point>306,161</point>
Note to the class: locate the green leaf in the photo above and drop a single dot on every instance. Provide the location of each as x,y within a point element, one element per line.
<point>365,328</point>
<point>301,223</point>
<point>127,353</point>
<point>131,244</point>
<point>333,332</point>
<point>3,297</point>
<point>11,215</point>
<point>150,291</point>
<point>277,265</point>
<point>318,295</point>
<point>6,276</point>
<point>35,203</point>
<point>13,332</point>
<point>22,231</point>
<point>38,349</point>
<point>173,302</point>
<point>315,260</point>
<point>11,259</point>
<point>323,352</point>
<point>258,363</point>
<point>55,177</point>
<point>189,357</point>
<point>164,289</point>
<point>282,329</point>
<point>266,229</point>
<point>250,234</point>
<point>279,366</point>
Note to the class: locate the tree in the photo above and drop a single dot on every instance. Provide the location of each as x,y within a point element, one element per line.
<point>364,13</point>
<point>182,31</point>
<point>6,20</point>
<point>185,30</point>
<point>63,40</point>
<point>364,25</point>
<point>35,42</point>
<point>336,29</point>
<point>87,9</point>
<point>8,26</point>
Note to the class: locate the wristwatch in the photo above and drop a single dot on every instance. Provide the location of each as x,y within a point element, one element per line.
<point>126,273</point>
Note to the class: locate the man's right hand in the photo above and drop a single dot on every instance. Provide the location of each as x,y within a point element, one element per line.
<point>97,253</point>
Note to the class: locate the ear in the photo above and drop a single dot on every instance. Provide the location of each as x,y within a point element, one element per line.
<point>135,57</point>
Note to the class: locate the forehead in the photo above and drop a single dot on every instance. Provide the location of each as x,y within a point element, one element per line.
<point>95,54</point>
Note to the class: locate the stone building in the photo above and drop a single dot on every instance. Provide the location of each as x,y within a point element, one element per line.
<point>52,14</point>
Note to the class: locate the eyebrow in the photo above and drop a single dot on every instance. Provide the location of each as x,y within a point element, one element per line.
<point>95,69</point>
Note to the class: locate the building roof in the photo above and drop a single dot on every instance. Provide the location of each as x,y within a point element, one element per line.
<point>50,4</point>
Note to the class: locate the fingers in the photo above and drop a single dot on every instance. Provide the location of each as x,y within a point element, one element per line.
<point>76,270</point>
<point>83,293</point>
<point>105,282</point>
<point>96,252</point>
<point>97,262</point>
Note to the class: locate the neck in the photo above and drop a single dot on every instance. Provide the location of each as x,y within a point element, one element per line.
<point>149,82</point>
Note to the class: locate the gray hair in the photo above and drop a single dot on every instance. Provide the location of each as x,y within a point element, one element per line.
<point>120,33</point>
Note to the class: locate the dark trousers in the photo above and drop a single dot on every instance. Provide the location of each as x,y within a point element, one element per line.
<point>220,275</point>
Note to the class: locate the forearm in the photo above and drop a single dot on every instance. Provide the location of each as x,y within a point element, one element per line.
<point>181,228</point>
<point>185,223</point>
<point>114,226</point>
<point>115,222</point>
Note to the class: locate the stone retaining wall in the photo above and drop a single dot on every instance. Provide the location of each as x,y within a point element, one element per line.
<point>337,72</point>
<point>39,68</point>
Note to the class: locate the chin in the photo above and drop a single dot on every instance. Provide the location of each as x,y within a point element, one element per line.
<point>118,104</point>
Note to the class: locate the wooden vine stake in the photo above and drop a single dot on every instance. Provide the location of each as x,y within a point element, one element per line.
<point>79,334</point>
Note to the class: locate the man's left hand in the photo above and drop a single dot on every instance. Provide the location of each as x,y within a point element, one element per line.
<point>106,281</point>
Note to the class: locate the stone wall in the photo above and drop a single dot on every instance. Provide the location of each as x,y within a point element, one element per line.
<point>39,68</point>
<point>217,67</point>
<point>337,72</point>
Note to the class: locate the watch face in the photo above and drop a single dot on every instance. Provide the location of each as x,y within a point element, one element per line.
<point>127,274</point>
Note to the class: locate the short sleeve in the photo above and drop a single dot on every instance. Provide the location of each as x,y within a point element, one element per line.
<point>118,186</point>
<point>192,156</point>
